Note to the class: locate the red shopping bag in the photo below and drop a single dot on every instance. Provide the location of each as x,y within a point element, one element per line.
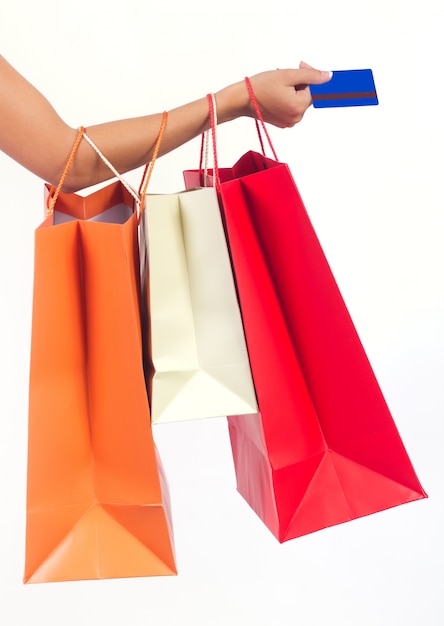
<point>324,448</point>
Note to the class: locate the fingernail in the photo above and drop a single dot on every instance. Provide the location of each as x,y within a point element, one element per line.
<point>327,74</point>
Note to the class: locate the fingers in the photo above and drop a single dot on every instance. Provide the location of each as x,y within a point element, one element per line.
<point>307,75</point>
<point>310,76</point>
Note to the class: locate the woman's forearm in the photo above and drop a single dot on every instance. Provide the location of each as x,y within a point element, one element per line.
<point>129,143</point>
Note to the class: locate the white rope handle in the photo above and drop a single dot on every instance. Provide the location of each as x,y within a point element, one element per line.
<point>208,134</point>
<point>127,186</point>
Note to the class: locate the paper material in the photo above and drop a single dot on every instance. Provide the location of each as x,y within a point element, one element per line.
<point>198,351</point>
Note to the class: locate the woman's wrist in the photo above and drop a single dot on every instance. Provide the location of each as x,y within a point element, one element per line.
<point>232,102</point>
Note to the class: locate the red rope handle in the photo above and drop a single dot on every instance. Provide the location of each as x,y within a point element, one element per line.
<point>260,118</point>
<point>202,149</point>
<point>259,134</point>
<point>54,195</point>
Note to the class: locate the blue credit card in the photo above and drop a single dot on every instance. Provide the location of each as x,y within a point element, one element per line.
<point>346,88</point>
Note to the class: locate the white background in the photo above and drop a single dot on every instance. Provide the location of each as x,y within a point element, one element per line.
<point>372,180</point>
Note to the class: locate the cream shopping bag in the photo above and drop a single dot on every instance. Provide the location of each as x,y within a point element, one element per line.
<point>199,364</point>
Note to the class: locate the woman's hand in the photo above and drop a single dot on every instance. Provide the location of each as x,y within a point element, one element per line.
<point>283,96</point>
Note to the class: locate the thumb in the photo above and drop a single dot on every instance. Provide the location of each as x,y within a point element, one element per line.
<point>312,76</point>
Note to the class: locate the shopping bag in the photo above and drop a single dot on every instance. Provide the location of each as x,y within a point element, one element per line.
<point>323,448</point>
<point>97,496</point>
<point>198,357</point>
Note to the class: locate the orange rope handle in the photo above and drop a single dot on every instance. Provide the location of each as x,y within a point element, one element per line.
<point>54,196</point>
<point>149,166</point>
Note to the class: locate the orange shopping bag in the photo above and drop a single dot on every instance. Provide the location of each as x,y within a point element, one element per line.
<point>97,498</point>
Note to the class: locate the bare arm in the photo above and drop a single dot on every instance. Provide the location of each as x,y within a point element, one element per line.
<point>33,134</point>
